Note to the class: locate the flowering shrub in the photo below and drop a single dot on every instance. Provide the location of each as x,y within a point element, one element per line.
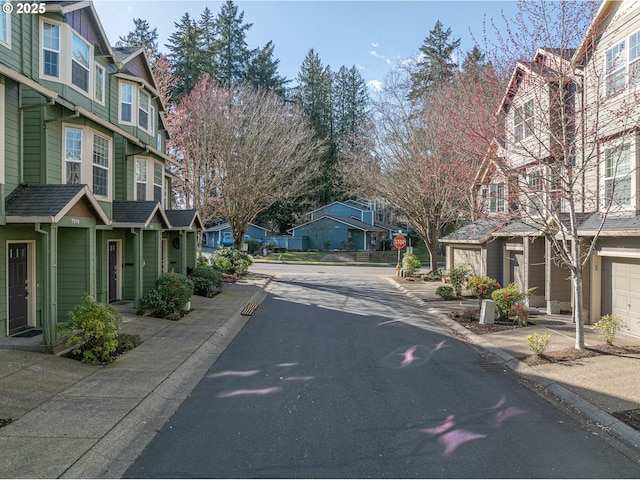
<point>508,299</point>
<point>482,286</point>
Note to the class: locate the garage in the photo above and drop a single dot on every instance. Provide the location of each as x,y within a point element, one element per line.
<point>621,291</point>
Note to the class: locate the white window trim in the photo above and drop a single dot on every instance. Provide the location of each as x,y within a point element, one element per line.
<point>499,200</point>
<point>2,132</point>
<point>146,179</point>
<point>149,127</point>
<point>525,123</point>
<point>64,152</point>
<point>161,184</point>
<point>107,168</point>
<point>133,104</point>
<point>104,83</point>
<point>65,58</point>
<point>136,92</point>
<point>86,156</point>
<point>88,69</point>
<point>149,179</point>
<point>606,205</point>
<point>7,20</point>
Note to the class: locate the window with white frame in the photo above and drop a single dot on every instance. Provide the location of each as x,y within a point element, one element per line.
<point>158,176</point>
<point>73,154</point>
<point>523,121</point>
<point>634,59</point>
<point>80,63</point>
<point>126,102</point>
<point>141,179</point>
<point>143,110</point>
<point>98,88</point>
<point>5,24</point>
<point>496,198</point>
<point>50,50</point>
<point>617,176</point>
<point>100,165</point>
<point>535,192</point>
<point>615,68</point>
<point>153,120</point>
<point>167,193</point>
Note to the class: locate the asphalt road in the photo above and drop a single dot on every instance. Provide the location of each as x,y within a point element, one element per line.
<point>340,376</point>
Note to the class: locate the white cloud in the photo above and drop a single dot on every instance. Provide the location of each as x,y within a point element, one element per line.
<point>375,44</point>
<point>376,85</point>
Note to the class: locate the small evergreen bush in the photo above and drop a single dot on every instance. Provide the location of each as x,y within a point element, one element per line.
<point>92,329</point>
<point>458,277</point>
<point>253,245</point>
<point>446,292</point>
<point>410,263</point>
<point>538,343</point>
<point>207,281</point>
<point>231,261</point>
<point>170,296</point>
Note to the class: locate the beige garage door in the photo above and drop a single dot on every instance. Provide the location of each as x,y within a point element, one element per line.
<point>472,257</point>
<point>621,291</point>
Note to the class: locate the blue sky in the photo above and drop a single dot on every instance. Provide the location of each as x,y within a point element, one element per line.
<point>372,35</point>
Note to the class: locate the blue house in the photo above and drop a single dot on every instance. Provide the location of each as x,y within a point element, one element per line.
<point>212,236</point>
<point>348,225</point>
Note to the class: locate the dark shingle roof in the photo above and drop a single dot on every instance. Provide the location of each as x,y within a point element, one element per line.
<point>135,212</point>
<point>358,224</point>
<point>612,223</point>
<point>476,232</point>
<point>40,200</point>
<point>181,218</point>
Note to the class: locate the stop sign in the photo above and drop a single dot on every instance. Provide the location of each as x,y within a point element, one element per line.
<point>399,242</point>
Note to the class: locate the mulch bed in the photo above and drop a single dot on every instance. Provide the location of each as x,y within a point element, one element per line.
<point>572,354</point>
<point>470,319</point>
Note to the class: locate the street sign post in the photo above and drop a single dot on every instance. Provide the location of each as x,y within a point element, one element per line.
<point>399,242</point>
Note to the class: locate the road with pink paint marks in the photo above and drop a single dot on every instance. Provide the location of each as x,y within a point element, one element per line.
<point>340,376</point>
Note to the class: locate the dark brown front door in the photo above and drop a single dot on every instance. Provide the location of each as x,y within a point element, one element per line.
<point>18,287</point>
<point>113,271</point>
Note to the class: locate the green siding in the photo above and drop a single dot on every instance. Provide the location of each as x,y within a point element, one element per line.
<point>12,136</point>
<point>73,269</point>
<point>151,256</point>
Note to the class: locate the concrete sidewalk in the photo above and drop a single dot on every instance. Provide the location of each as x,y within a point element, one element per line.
<point>73,420</point>
<point>596,386</point>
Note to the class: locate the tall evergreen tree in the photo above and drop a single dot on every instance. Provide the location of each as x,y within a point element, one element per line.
<point>351,104</point>
<point>313,95</point>
<point>185,56</point>
<point>208,31</point>
<point>263,71</point>
<point>436,64</point>
<point>474,58</point>
<point>231,51</point>
<point>142,36</point>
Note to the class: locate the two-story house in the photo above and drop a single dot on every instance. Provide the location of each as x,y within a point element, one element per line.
<point>83,171</point>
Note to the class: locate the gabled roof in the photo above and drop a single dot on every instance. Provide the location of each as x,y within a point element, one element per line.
<point>225,225</point>
<point>618,225</point>
<point>49,203</point>
<point>355,207</point>
<point>476,232</point>
<point>184,219</point>
<point>594,32</point>
<point>351,222</point>
<point>134,214</point>
<point>125,56</point>
<point>386,226</point>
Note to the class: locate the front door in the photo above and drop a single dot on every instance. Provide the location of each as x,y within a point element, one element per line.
<point>18,287</point>
<point>113,272</point>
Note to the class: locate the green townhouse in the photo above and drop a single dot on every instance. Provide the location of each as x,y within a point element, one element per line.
<point>84,174</point>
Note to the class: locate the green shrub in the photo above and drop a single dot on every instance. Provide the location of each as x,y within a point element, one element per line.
<point>170,296</point>
<point>482,286</point>
<point>410,263</point>
<point>253,245</point>
<point>510,301</point>
<point>92,329</point>
<point>538,343</point>
<point>128,342</point>
<point>207,281</point>
<point>231,261</point>
<point>458,277</point>
<point>202,261</point>
<point>269,245</point>
<point>607,327</point>
<point>446,292</point>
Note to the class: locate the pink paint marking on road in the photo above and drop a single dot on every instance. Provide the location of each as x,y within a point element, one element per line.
<point>234,373</point>
<point>386,323</point>
<point>440,345</point>
<point>286,365</point>
<point>452,440</point>
<point>408,356</point>
<point>298,378</point>
<point>262,391</point>
<point>502,415</point>
<point>448,423</point>
<point>500,403</point>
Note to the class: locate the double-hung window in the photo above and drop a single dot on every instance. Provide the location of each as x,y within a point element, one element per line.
<point>634,59</point>
<point>158,177</point>
<point>73,154</point>
<point>80,63</point>
<point>51,50</point>
<point>5,23</point>
<point>496,198</point>
<point>126,102</point>
<point>98,84</point>
<point>141,179</point>
<point>536,199</point>
<point>100,165</point>
<point>143,110</point>
<point>617,176</point>
<point>615,68</point>
<point>523,121</point>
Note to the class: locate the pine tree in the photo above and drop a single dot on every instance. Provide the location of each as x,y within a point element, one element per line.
<point>142,36</point>
<point>208,26</point>
<point>436,64</point>
<point>263,71</point>
<point>231,52</point>
<point>185,56</point>
<point>351,104</point>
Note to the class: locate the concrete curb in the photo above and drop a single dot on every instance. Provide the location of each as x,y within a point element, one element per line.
<point>629,436</point>
<point>117,450</point>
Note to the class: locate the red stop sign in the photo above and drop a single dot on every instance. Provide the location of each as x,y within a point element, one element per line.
<point>399,242</point>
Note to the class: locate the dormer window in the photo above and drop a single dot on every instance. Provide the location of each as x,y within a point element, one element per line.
<point>136,107</point>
